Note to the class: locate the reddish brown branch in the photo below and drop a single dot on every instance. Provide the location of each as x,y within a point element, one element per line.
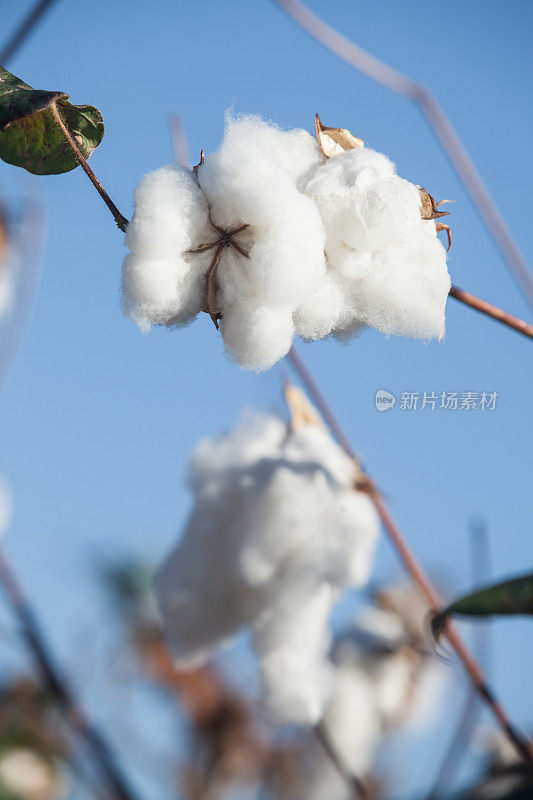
<point>438,121</point>
<point>121,221</point>
<point>492,311</point>
<point>414,569</point>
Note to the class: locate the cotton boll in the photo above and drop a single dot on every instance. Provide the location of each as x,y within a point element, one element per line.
<point>294,243</point>
<point>273,539</point>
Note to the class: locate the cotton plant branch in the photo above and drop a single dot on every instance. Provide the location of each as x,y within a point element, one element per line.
<point>121,221</point>
<point>59,688</point>
<point>484,307</point>
<point>25,28</point>
<point>411,564</point>
<point>438,121</point>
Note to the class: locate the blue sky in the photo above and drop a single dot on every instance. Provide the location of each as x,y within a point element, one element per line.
<point>97,420</point>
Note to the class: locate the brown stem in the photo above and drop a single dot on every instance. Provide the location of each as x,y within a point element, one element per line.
<point>438,121</point>
<point>358,789</point>
<point>414,569</point>
<point>58,687</point>
<point>121,221</point>
<point>492,311</point>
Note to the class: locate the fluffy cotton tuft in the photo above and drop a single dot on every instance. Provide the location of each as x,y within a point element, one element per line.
<point>276,533</point>
<point>330,245</point>
<point>386,262</point>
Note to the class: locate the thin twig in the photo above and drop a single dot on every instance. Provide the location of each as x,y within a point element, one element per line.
<point>412,566</point>
<point>27,25</point>
<point>357,787</point>
<point>492,311</point>
<point>121,221</point>
<point>437,119</point>
<point>58,687</point>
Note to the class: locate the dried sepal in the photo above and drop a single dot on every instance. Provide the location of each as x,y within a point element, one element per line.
<point>301,411</point>
<point>330,139</point>
<point>430,210</point>
<point>224,239</point>
<point>197,166</point>
<point>442,227</point>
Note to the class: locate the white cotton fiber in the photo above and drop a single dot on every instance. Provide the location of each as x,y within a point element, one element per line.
<point>161,282</point>
<point>251,180</point>
<point>329,245</point>
<point>276,533</point>
<point>388,264</point>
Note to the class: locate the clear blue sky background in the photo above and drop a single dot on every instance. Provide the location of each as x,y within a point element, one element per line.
<point>97,420</point>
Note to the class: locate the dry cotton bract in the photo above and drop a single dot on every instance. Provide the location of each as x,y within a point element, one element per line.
<point>274,239</point>
<point>276,533</point>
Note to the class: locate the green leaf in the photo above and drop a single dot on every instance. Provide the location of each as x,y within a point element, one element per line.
<point>514,596</point>
<point>30,136</point>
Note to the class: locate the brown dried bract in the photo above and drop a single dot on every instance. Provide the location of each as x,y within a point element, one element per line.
<point>327,138</point>
<point>301,410</point>
<point>225,239</point>
<point>202,159</point>
<point>430,210</point>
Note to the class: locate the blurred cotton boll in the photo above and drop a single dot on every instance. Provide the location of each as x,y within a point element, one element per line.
<point>276,533</point>
<point>382,683</point>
